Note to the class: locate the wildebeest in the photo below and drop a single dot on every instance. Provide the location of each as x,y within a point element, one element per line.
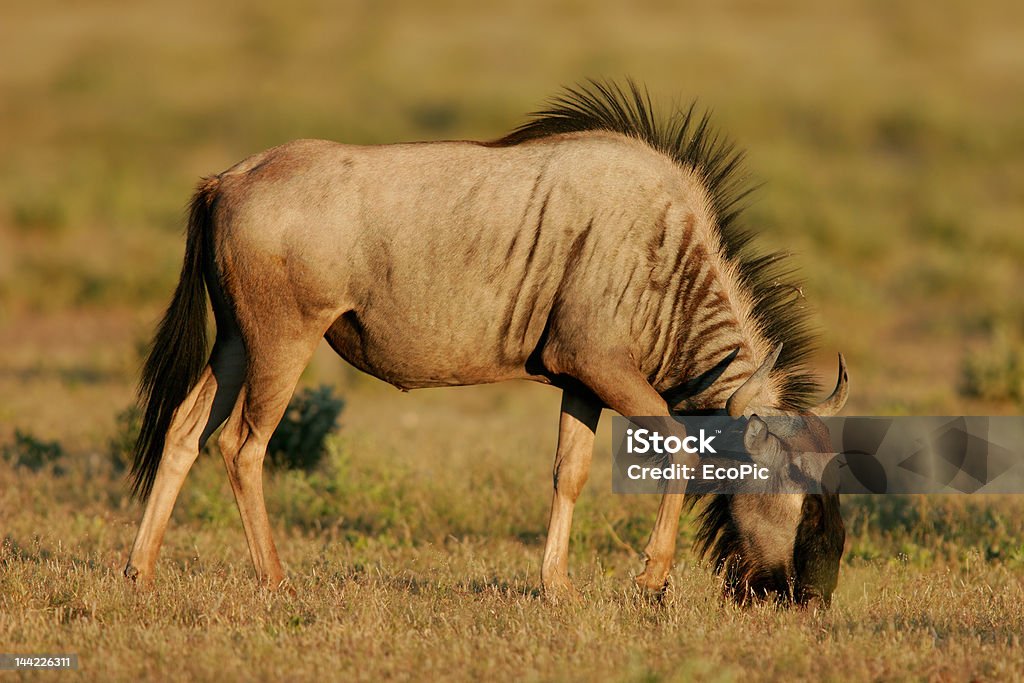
<point>595,248</point>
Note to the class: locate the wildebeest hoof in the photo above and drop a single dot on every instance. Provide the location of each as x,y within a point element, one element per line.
<point>652,592</point>
<point>133,576</point>
<point>278,585</point>
<point>562,593</point>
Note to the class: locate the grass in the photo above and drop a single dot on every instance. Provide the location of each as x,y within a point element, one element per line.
<point>446,612</point>
<point>889,137</point>
<point>422,561</point>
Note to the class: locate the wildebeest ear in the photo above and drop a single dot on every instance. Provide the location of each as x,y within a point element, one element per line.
<point>755,436</point>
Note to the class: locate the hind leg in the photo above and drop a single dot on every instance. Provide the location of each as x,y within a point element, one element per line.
<point>202,411</point>
<point>273,374</point>
<point>181,448</point>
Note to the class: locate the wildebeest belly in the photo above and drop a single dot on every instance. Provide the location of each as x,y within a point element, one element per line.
<point>430,349</point>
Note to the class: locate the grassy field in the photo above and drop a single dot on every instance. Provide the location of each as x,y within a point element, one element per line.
<point>890,140</point>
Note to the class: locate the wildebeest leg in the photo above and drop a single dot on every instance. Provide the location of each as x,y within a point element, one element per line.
<point>202,411</point>
<point>625,390</point>
<point>274,370</point>
<point>181,448</point>
<point>659,553</point>
<point>576,425</point>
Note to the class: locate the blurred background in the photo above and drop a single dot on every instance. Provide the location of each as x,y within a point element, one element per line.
<point>889,137</point>
<point>889,140</point>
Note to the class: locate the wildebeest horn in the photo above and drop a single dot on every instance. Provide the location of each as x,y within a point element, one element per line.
<point>737,403</point>
<point>834,403</point>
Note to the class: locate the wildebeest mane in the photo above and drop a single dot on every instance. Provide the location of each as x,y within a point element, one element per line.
<point>717,536</point>
<point>693,143</point>
<point>718,541</point>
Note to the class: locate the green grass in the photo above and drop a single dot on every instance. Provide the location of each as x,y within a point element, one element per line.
<point>889,138</point>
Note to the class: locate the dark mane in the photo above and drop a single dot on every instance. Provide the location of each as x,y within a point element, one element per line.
<point>745,577</point>
<point>717,537</point>
<point>693,143</point>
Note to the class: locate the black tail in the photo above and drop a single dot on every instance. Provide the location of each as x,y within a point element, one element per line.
<point>179,349</point>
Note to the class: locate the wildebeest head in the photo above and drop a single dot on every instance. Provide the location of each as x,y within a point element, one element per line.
<point>787,546</point>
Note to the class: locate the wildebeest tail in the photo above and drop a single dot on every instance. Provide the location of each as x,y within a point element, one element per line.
<point>179,350</point>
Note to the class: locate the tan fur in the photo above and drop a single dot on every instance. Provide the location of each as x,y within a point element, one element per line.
<point>452,263</point>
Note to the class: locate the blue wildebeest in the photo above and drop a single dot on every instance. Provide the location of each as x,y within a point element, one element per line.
<point>595,248</point>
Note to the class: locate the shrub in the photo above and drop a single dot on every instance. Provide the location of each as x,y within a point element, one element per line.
<point>995,373</point>
<point>31,452</point>
<point>122,443</point>
<point>39,214</point>
<point>298,442</point>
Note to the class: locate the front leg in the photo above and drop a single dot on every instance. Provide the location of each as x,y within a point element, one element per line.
<point>577,424</point>
<point>624,389</point>
<point>661,546</point>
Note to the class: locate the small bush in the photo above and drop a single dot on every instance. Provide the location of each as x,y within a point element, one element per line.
<point>995,373</point>
<point>31,452</point>
<point>298,442</point>
<point>122,443</point>
<point>40,214</point>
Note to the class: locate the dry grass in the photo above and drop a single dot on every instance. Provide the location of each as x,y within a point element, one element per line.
<point>467,610</point>
<point>414,551</point>
<point>890,138</point>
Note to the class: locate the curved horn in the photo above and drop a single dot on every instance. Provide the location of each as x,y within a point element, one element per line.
<point>737,403</point>
<point>834,403</point>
